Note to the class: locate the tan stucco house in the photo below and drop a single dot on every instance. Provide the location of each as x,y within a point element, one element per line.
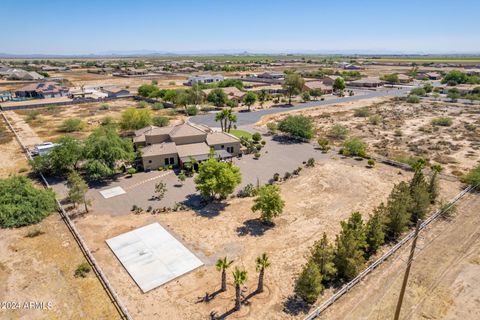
<point>176,145</point>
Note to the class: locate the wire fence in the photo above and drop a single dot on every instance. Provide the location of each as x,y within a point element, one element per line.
<point>122,310</point>
<point>330,301</point>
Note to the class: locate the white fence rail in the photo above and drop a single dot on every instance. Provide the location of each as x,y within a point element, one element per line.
<point>315,313</point>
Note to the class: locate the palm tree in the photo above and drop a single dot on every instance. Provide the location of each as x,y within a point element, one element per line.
<point>262,263</point>
<point>222,265</point>
<point>220,116</point>
<point>232,118</point>
<point>239,278</point>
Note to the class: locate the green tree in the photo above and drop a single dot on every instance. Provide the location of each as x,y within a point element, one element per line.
<point>419,193</point>
<point>195,94</point>
<point>262,97</point>
<point>297,126</point>
<point>375,229</point>
<point>316,93</point>
<point>134,119</point>
<point>222,265</point>
<point>61,159</point>
<point>309,283</point>
<point>398,210</point>
<point>293,85</point>
<point>22,204</point>
<point>339,84</point>
<point>182,177</point>
<point>354,147</point>
<point>391,78</point>
<point>239,278</point>
<point>269,202</point>
<point>217,97</point>
<point>322,254</point>
<point>217,179</point>
<point>72,125</point>
<point>77,190</point>
<point>262,263</point>
<point>433,188</point>
<point>148,91</point>
<point>103,149</point>
<point>170,95</point>
<point>249,99</point>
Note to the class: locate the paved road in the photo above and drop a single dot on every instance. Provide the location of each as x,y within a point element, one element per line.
<point>248,118</point>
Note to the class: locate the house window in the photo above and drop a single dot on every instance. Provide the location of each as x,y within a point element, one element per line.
<point>172,160</point>
<point>149,161</point>
<point>166,161</point>
<point>230,149</point>
<point>223,146</point>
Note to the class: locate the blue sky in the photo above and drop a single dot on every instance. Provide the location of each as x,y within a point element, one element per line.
<point>85,26</point>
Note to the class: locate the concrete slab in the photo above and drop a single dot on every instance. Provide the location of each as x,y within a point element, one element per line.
<point>152,256</point>
<point>112,192</point>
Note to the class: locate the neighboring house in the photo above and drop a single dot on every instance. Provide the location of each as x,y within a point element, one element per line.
<point>352,67</point>
<point>42,90</point>
<point>20,74</point>
<point>116,92</point>
<point>329,80</point>
<point>403,78</point>
<point>272,75</point>
<point>233,93</point>
<point>271,89</point>
<point>135,72</point>
<point>177,145</point>
<point>464,88</point>
<point>473,72</point>
<point>428,76</point>
<point>89,93</point>
<point>366,82</point>
<point>206,78</point>
<point>318,85</point>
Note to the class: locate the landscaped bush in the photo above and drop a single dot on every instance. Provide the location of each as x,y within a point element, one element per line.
<point>442,121</point>
<point>297,126</point>
<point>256,137</point>
<point>22,204</point>
<point>362,112</point>
<point>257,155</point>
<point>248,191</point>
<point>310,162</point>
<point>371,162</point>
<point>418,92</point>
<point>323,144</point>
<point>142,104</point>
<point>160,121</point>
<point>272,127</point>
<point>276,176</point>
<point>72,125</point>
<point>157,106</point>
<point>191,111</point>
<point>354,147</point>
<point>338,131</point>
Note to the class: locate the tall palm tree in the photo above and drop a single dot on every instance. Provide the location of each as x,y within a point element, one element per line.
<point>220,116</point>
<point>239,278</point>
<point>232,118</point>
<point>222,265</point>
<point>262,263</point>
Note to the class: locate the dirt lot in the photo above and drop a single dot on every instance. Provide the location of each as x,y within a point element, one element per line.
<point>41,269</point>
<point>444,281</point>
<point>315,202</point>
<point>12,159</point>
<point>405,130</point>
<point>49,120</point>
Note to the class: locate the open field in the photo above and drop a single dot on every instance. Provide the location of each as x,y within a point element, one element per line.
<point>315,202</point>
<point>406,130</point>
<point>444,280</point>
<point>49,120</point>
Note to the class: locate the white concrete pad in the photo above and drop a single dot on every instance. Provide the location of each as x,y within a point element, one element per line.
<point>152,256</point>
<point>112,192</point>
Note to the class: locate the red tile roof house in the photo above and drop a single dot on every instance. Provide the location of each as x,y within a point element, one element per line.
<point>42,90</point>
<point>177,145</point>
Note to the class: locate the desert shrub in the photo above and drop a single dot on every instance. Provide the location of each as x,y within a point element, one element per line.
<point>310,163</point>
<point>157,106</point>
<point>398,133</point>
<point>354,147</point>
<point>160,121</point>
<point>32,233</point>
<point>410,160</point>
<point>257,155</point>
<point>72,125</point>
<point>131,171</point>
<point>472,177</point>
<point>362,113</point>
<point>142,104</point>
<point>276,176</point>
<point>413,99</point>
<point>107,121</point>
<point>248,191</point>
<point>191,111</point>
<point>272,127</point>
<point>172,112</point>
<point>104,106</point>
<point>418,92</point>
<point>442,121</point>
<point>375,119</point>
<point>287,175</point>
<point>32,115</point>
<point>263,142</point>
<point>338,131</point>
<point>371,162</point>
<point>297,126</point>
<point>82,270</point>
<point>323,144</point>
<point>22,204</point>
<point>256,137</point>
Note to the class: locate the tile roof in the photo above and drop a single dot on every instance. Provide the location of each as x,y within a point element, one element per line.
<point>159,149</point>
<point>185,130</point>
<point>193,149</point>
<point>220,137</point>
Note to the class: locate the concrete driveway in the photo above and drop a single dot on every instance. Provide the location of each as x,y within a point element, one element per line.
<point>249,118</point>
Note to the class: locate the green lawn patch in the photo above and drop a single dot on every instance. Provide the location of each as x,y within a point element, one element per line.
<point>241,133</point>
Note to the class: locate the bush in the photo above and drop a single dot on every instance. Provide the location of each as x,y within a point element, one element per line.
<point>191,111</point>
<point>256,137</point>
<point>297,126</point>
<point>34,233</point>
<point>72,125</point>
<point>276,177</point>
<point>442,121</point>
<point>22,204</point>
<point>310,163</point>
<point>142,104</point>
<point>362,112</point>
<point>104,106</point>
<point>418,92</point>
<point>309,283</point>
<point>472,177</point>
<point>375,119</point>
<point>354,147</point>
<point>82,270</point>
<point>398,133</point>
<point>257,155</point>
<point>32,115</point>
<point>371,162</point>
<point>413,99</point>
<point>323,144</point>
<point>131,171</point>
<point>338,131</point>
<point>272,127</point>
<point>248,191</point>
<point>161,121</point>
<point>157,106</point>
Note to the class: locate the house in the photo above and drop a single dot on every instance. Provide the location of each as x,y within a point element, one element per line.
<point>272,75</point>
<point>177,145</point>
<point>366,82</point>
<point>233,93</point>
<point>206,78</point>
<point>271,89</point>
<point>351,67</point>
<point>428,76</point>
<point>328,80</point>
<point>403,78</point>
<point>42,90</point>
<point>116,92</point>
<point>318,85</point>
<point>87,93</point>
<point>20,74</point>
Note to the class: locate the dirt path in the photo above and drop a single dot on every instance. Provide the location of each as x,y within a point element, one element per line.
<point>26,133</point>
<point>444,281</point>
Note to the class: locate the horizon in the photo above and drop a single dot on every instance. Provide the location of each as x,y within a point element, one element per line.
<point>270,27</point>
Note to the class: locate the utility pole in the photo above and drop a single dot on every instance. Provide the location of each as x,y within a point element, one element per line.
<point>407,272</point>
